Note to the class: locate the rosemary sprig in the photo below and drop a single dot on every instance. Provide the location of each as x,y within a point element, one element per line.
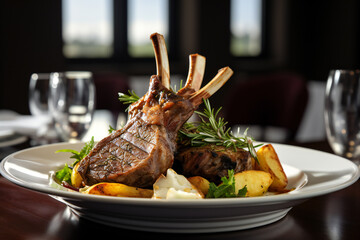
<point>128,98</point>
<point>174,88</point>
<point>133,97</point>
<point>212,130</point>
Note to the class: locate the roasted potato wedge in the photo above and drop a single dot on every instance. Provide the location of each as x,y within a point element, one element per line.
<point>76,179</point>
<point>118,190</point>
<point>269,162</point>
<point>200,183</point>
<point>257,182</point>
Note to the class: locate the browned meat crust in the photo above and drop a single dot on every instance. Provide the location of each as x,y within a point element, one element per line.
<point>212,162</point>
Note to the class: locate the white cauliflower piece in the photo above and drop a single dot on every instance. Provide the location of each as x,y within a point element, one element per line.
<point>174,186</point>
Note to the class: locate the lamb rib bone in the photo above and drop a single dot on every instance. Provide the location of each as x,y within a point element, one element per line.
<point>162,60</point>
<point>215,84</point>
<point>196,71</point>
<point>196,66</point>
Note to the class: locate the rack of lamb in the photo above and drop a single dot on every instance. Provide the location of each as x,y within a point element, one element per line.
<point>138,153</point>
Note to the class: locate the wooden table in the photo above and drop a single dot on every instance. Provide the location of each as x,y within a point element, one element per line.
<point>25,214</point>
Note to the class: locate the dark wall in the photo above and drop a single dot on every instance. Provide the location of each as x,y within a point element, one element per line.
<point>214,35</point>
<point>31,42</point>
<point>323,35</point>
<point>307,37</point>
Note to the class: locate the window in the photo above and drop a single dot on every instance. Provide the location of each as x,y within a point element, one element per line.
<point>88,28</point>
<point>246,28</point>
<point>144,18</point>
<point>94,29</point>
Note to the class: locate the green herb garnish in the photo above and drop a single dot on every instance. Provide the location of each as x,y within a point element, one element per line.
<point>212,130</point>
<point>132,97</point>
<point>226,189</point>
<point>174,88</point>
<point>83,152</point>
<point>111,129</point>
<point>128,98</point>
<point>64,174</point>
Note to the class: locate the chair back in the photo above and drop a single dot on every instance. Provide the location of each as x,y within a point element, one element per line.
<point>108,85</point>
<point>276,100</point>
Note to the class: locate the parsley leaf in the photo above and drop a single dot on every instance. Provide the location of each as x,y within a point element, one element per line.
<point>83,152</point>
<point>64,174</point>
<point>242,192</point>
<point>226,189</point>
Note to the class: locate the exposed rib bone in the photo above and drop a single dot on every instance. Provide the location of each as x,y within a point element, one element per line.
<point>217,82</point>
<point>162,60</point>
<point>196,71</point>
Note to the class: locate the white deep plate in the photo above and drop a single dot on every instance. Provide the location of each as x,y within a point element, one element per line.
<point>311,173</point>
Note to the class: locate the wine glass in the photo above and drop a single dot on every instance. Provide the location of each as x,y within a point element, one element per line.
<point>38,94</point>
<point>342,113</point>
<point>72,103</point>
<point>38,105</point>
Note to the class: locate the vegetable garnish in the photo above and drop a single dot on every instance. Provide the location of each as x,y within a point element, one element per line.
<point>132,97</point>
<point>111,129</point>
<point>128,98</point>
<point>226,189</point>
<point>212,130</point>
<point>83,152</point>
<point>64,174</point>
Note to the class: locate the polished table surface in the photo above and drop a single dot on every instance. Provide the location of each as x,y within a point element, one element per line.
<point>26,214</point>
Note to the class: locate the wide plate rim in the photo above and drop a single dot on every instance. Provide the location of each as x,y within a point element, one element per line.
<point>263,200</point>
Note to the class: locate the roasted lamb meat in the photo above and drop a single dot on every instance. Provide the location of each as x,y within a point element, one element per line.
<point>143,149</point>
<point>212,162</point>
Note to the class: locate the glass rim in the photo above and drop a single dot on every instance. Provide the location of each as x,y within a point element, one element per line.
<point>74,74</point>
<point>354,71</point>
<point>37,76</point>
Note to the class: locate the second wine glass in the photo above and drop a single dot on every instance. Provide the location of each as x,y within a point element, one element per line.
<point>72,103</point>
<point>342,113</point>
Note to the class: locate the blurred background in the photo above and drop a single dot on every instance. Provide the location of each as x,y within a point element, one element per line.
<point>263,41</point>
